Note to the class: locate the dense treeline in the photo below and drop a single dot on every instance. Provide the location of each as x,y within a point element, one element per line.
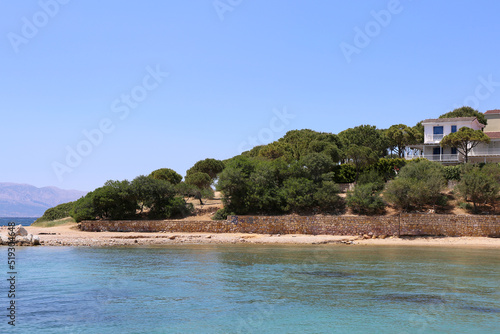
<point>58,212</point>
<point>421,184</point>
<point>253,185</point>
<point>159,195</point>
<point>263,186</point>
<point>300,173</point>
<point>361,146</point>
<point>128,200</point>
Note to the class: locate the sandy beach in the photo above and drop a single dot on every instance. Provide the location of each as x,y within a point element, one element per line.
<point>70,235</point>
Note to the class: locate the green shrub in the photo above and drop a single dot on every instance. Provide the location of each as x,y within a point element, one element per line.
<point>345,173</point>
<point>365,199</point>
<point>316,164</point>
<point>52,223</point>
<point>452,172</point>
<point>466,206</point>
<point>418,184</point>
<point>178,208</point>
<point>372,177</point>
<point>58,212</point>
<point>442,201</point>
<point>387,167</point>
<point>83,209</point>
<point>397,192</point>
<point>492,170</point>
<point>479,187</point>
<point>327,198</point>
<point>221,214</point>
<point>298,193</point>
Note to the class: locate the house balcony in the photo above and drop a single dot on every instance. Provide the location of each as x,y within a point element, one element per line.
<point>433,139</point>
<point>484,152</point>
<point>435,157</point>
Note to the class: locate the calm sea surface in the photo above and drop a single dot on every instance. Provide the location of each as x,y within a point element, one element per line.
<point>254,289</point>
<point>22,221</point>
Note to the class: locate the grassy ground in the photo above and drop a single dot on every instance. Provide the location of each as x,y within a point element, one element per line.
<point>53,223</point>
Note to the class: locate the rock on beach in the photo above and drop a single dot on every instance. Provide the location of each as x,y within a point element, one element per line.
<point>22,237</point>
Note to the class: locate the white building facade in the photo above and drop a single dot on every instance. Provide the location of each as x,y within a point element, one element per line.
<point>436,129</point>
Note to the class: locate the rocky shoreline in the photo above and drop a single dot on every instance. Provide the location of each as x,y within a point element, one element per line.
<point>70,235</point>
<point>21,237</point>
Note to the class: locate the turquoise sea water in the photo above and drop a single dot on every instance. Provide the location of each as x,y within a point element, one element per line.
<point>18,220</point>
<point>255,289</point>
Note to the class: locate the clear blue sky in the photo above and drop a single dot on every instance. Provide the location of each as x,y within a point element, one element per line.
<point>69,68</point>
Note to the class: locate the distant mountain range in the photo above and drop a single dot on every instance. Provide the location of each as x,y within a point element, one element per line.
<point>23,200</point>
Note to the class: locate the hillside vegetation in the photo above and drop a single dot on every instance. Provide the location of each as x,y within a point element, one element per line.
<point>56,222</point>
<point>300,174</point>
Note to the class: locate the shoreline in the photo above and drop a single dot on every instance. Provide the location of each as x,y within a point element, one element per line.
<point>69,235</point>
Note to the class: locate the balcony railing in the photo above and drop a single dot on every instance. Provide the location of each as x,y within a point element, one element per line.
<point>442,157</point>
<point>434,157</point>
<point>433,138</point>
<point>475,152</point>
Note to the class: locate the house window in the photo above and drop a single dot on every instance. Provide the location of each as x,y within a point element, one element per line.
<point>453,150</point>
<point>438,130</point>
<point>453,128</point>
<point>436,150</point>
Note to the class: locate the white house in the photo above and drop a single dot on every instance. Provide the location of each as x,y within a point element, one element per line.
<point>436,129</point>
<point>489,152</point>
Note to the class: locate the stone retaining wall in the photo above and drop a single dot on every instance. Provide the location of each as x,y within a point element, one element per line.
<point>402,225</point>
<point>450,225</point>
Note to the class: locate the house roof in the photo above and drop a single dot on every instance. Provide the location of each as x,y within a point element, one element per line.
<point>454,119</point>
<point>493,135</point>
<point>494,111</point>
